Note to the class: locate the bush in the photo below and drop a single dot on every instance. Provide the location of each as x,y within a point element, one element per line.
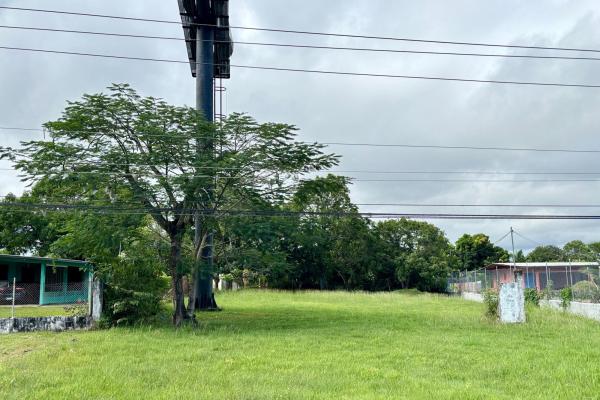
<point>586,290</point>
<point>126,307</point>
<point>566,296</point>
<point>491,300</point>
<point>532,296</point>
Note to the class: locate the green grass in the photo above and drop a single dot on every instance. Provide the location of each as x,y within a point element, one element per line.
<point>32,311</point>
<point>272,345</point>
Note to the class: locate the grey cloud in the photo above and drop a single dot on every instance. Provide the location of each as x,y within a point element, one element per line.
<point>330,108</point>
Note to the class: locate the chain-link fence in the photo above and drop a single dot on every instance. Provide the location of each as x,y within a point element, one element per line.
<point>548,279</point>
<point>34,300</point>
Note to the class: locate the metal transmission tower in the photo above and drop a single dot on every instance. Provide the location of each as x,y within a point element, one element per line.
<point>209,46</point>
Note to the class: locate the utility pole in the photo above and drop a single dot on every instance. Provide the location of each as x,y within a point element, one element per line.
<point>209,45</point>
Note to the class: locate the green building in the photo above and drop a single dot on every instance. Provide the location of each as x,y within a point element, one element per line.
<point>42,280</point>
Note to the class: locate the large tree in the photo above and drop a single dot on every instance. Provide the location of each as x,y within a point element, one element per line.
<point>475,251</point>
<point>419,253</point>
<point>546,254</point>
<point>127,153</point>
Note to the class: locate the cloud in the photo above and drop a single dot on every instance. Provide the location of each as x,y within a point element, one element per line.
<point>35,87</point>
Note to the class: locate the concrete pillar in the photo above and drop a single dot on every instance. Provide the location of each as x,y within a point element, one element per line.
<point>96,299</point>
<point>42,282</point>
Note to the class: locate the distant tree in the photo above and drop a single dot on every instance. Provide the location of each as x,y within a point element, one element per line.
<point>419,252</point>
<point>23,230</point>
<point>476,251</point>
<point>520,256</point>
<point>595,250</point>
<point>546,254</point>
<point>322,239</point>
<point>576,250</point>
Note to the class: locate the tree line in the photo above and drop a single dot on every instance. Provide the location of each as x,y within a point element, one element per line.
<point>147,182</point>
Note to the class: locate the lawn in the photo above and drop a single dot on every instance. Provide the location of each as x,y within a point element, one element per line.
<point>311,345</point>
<point>32,311</point>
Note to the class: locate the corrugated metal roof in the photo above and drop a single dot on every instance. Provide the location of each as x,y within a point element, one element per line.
<point>52,262</point>
<point>554,264</point>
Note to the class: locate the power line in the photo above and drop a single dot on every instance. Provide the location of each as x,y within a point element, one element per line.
<point>369,172</point>
<point>271,213</point>
<point>351,179</point>
<point>318,71</point>
<point>528,239</point>
<point>305,32</point>
<point>399,145</point>
<point>440,205</point>
<point>305,46</point>
<point>502,238</point>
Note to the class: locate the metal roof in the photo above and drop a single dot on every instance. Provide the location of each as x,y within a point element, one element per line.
<point>52,262</point>
<point>209,12</point>
<point>553,264</point>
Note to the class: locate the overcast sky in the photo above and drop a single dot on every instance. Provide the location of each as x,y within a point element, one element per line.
<point>34,88</point>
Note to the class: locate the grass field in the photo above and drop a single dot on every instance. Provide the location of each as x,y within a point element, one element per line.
<point>32,311</point>
<point>272,345</point>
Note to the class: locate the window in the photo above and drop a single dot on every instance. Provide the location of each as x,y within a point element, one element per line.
<point>54,279</point>
<point>75,275</point>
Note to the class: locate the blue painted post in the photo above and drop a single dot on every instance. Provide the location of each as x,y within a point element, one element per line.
<point>42,282</point>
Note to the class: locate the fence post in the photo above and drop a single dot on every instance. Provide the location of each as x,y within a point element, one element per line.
<point>14,293</point>
<point>571,272</point>
<point>497,279</point>
<point>485,279</point>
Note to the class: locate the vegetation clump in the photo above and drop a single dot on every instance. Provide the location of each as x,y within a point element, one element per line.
<point>566,296</point>
<point>491,299</point>
<point>532,296</point>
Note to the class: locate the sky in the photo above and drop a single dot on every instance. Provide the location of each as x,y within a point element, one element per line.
<point>34,89</point>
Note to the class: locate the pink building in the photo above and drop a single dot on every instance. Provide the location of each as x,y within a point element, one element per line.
<point>539,275</point>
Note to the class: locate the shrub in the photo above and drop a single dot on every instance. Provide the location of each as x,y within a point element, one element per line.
<point>586,290</point>
<point>548,290</point>
<point>566,295</point>
<point>491,300</point>
<point>125,307</point>
<point>532,296</point>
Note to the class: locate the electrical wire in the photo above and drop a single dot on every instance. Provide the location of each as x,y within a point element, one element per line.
<point>398,145</point>
<point>351,179</point>
<point>367,172</point>
<point>305,32</point>
<point>426,205</point>
<point>271,213</point>
<point>502,238</point>
<point>317,71</point>
<point>305,46</point>
<point>528,239</point>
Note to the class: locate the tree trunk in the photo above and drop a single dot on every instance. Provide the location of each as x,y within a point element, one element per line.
<point>179,313</point>
<point>205,298</point>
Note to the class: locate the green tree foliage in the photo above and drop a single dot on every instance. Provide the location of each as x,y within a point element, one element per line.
<point>418,252</point>
<point>24,232</point>
<point>576,250</point>
<point>545,254</point>
<point>126,151</point>
<point>476,251</point>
